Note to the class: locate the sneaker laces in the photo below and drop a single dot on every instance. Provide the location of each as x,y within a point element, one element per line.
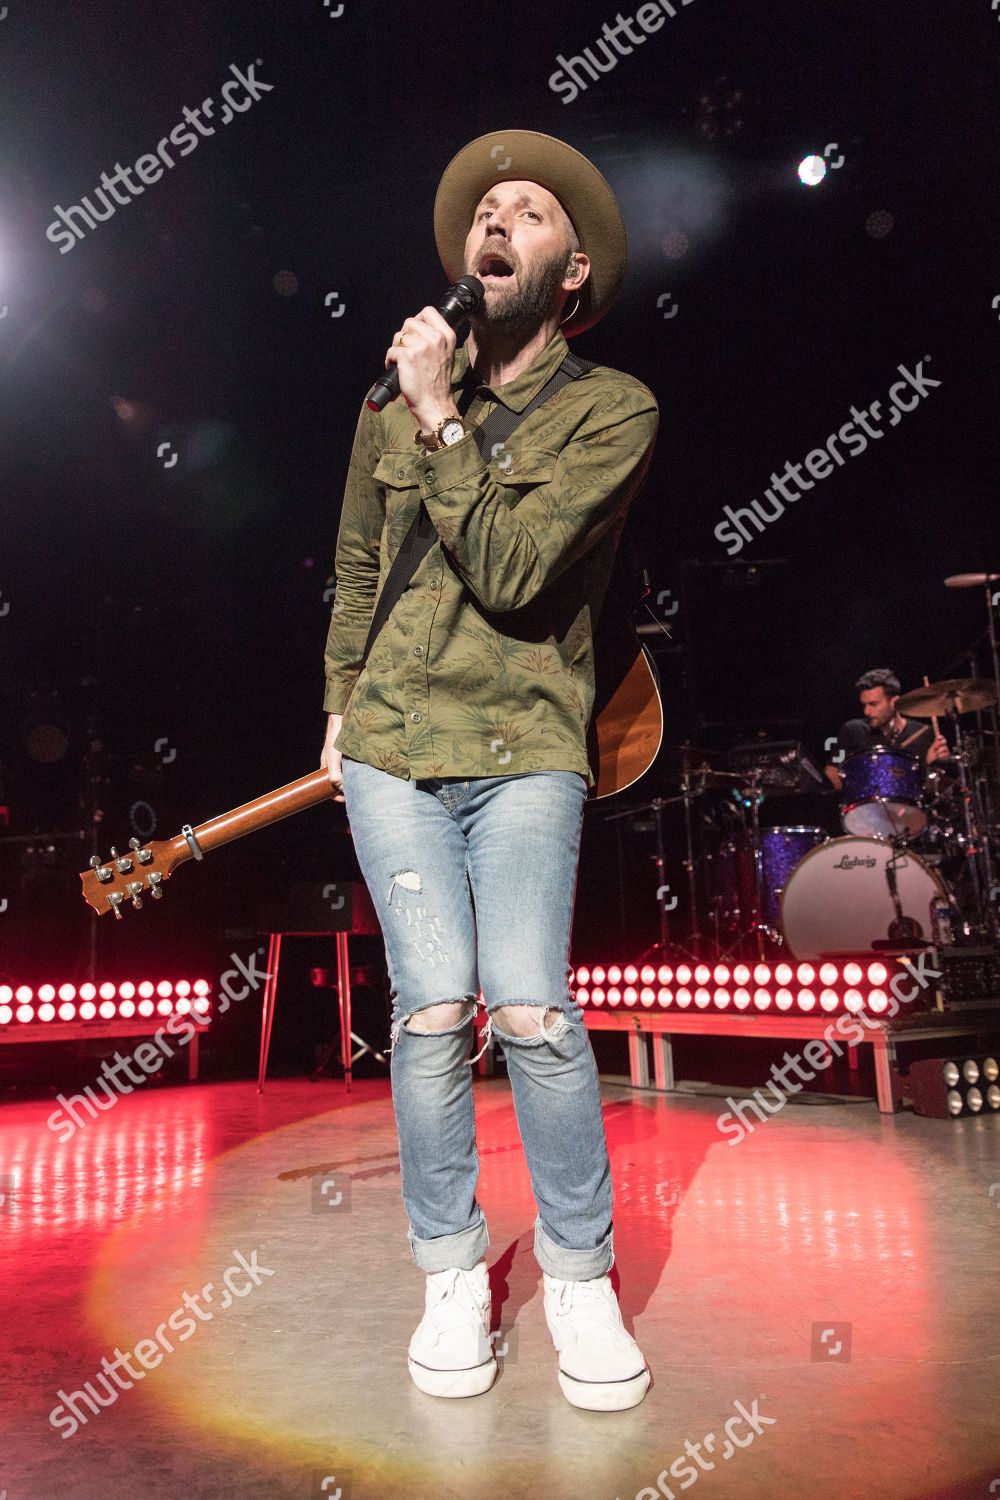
<point>601,1310</point>
<point>447,1309</point>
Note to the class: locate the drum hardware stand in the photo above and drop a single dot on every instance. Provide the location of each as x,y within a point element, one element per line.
<point>751,798</point>
<point>975,846</point>
<point>664,946</point>
<point>991,630</point>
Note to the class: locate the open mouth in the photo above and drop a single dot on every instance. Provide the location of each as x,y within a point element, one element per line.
<point>494,268</point>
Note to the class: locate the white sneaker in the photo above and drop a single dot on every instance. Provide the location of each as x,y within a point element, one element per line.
<point>601,1367</point>
<point>450,1353</point>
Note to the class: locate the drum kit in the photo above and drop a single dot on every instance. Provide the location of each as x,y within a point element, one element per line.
<point>916,864</point>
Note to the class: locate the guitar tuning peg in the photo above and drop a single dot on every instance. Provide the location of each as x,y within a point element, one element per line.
<point>156,893</point>
<point>114,852</point>
<point>115,899</point>
<point>94,861</point>
<point>137,903</point>
<point>143,856</point>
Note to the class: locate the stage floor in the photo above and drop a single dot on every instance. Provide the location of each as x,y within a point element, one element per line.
<point>835,1273</point>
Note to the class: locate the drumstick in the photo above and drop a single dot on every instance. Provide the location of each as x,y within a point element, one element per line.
<point>934,722</point>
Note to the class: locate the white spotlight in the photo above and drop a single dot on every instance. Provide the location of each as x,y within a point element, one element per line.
<point>812,170</point>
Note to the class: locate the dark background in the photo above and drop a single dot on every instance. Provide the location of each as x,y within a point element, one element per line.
<point>184,609</point>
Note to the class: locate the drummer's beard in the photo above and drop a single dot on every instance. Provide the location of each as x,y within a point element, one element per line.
<point>883,723</point>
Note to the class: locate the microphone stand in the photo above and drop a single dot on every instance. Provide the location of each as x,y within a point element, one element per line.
<point>902,929</point>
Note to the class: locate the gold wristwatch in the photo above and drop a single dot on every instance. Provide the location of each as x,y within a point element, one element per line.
<point>450,430</point>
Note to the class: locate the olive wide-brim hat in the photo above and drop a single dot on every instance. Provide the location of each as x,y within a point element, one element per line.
<point>527,155</point>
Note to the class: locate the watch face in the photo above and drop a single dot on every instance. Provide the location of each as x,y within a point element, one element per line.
<point>452,432</point>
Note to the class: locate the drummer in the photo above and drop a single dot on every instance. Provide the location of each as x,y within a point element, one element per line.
<point>879,691</point>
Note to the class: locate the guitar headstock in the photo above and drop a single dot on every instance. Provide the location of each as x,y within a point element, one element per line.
<point>139,872</point>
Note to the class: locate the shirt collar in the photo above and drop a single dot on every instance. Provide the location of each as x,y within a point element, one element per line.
<point>516,394</point>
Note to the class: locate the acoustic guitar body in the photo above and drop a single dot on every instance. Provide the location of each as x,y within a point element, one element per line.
<point>626,727</point>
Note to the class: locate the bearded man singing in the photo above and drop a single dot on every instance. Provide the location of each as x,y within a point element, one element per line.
<point>459,744</point>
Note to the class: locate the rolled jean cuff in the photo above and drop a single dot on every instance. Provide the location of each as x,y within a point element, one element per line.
<point>573,1265</point>
<point>447,1252</point>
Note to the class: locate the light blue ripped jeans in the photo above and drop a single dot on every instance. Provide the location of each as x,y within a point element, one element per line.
<point>474,884</point>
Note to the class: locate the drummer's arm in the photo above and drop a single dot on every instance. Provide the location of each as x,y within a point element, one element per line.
<point>834,777</point>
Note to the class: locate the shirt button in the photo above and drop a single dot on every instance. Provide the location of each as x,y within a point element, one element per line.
<point>418,650</point>
<point>434,584</point>
<point>431,476</point>
<point>400,473</point>
<point>416,718</point>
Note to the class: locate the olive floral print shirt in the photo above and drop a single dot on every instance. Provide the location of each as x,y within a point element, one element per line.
<point>485,666</point>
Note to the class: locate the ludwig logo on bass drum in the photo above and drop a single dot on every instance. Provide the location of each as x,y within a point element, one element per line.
<point>851,862</point>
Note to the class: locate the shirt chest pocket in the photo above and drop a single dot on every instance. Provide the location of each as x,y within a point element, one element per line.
<point>521,470</point>
<point>400,491</point>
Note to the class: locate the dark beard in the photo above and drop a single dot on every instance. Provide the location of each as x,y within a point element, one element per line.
<point>516,315</point>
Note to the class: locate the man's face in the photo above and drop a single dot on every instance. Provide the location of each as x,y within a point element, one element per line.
<point>518,246</point>
<point>879,708</point>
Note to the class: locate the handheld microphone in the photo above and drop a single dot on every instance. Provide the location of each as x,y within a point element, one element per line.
<point>455,306</point>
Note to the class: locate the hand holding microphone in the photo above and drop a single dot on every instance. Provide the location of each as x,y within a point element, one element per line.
<point>419,361</point>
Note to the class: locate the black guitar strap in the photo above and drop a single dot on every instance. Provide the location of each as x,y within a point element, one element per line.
<point>422,535</point>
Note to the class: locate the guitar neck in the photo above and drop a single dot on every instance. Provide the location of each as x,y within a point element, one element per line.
<point>138,872</point>
<point>308,791</point>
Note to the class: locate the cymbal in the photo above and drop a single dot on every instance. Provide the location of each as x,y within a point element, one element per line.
<point>964,694</point>
<point>970,580</point>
